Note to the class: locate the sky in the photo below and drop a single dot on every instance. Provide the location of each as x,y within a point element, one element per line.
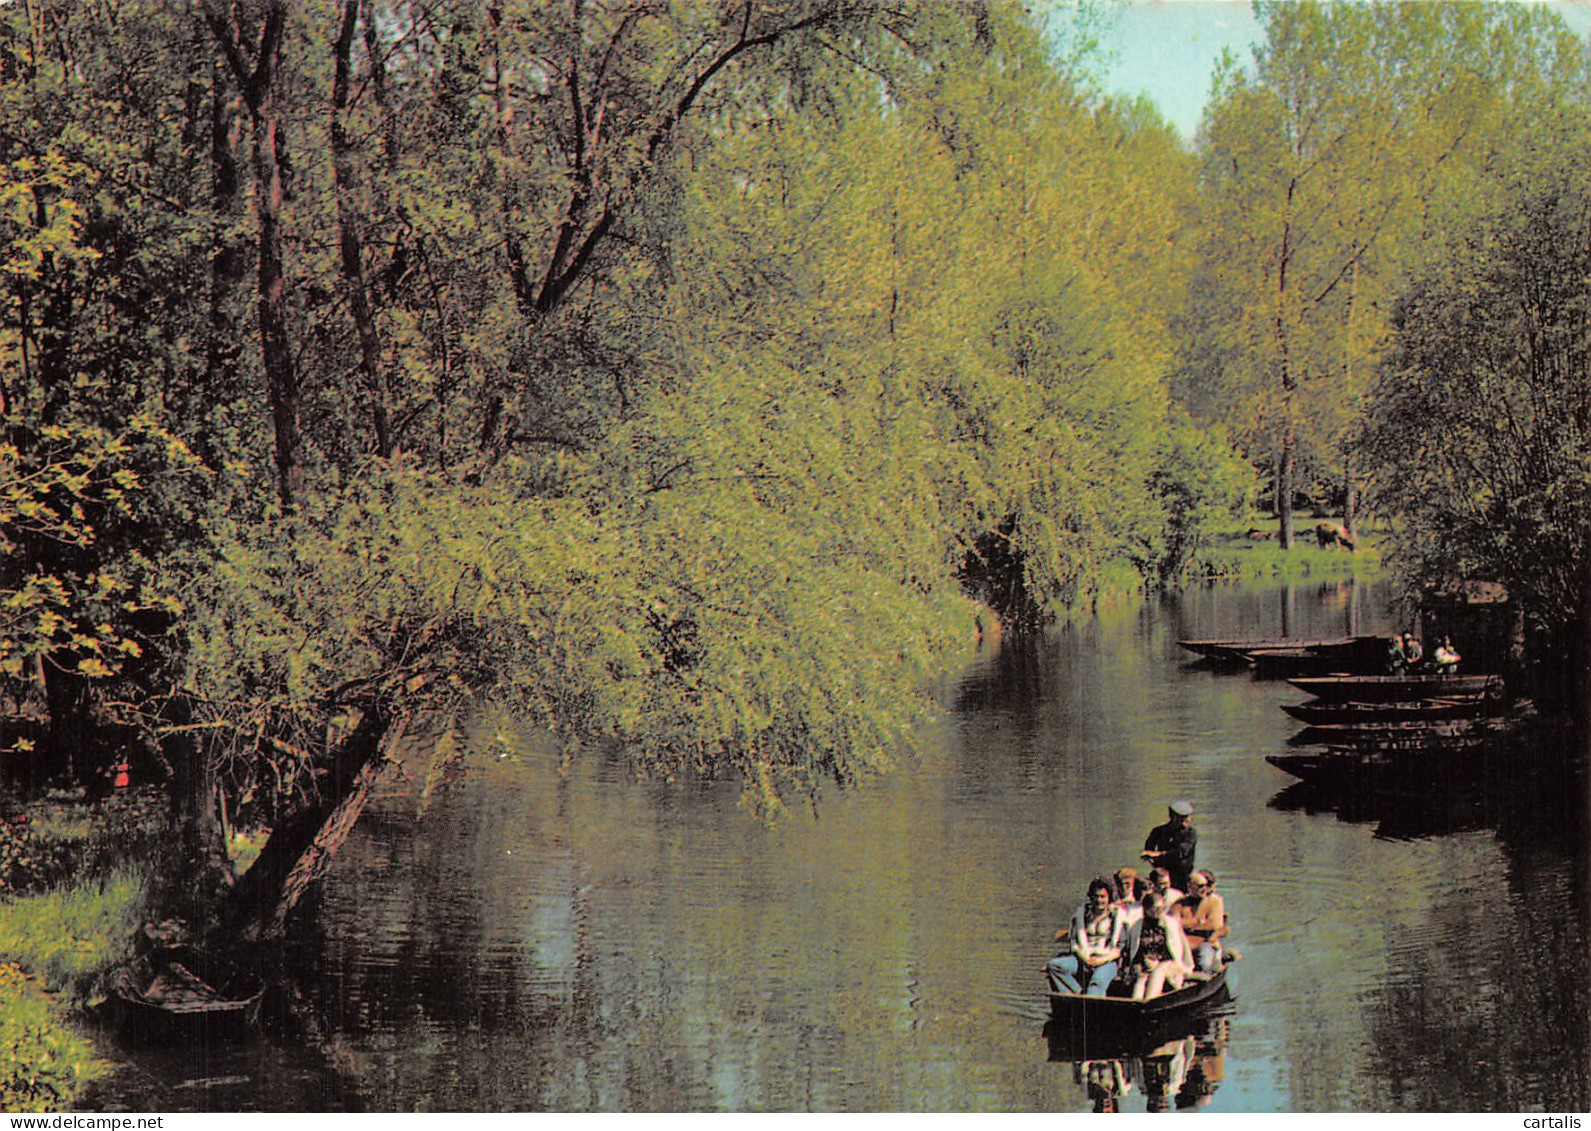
<point>1167,49</point>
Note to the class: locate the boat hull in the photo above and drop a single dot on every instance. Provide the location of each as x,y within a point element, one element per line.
<point>1347,650</point>
<point>1391,734</point>
<point>184,996</point>
<point>1396,688</point>
<point>1319,713</point>
<point>1411,771</point>
<point>1117,1017</point>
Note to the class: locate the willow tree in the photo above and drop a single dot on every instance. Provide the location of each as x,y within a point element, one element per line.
<point>1319,169</point>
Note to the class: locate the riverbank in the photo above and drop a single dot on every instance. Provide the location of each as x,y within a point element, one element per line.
<point>74,885</point>
<point>1247,549</point>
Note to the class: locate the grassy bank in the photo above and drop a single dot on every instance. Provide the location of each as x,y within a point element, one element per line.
<point>1236,554</point>
<point>74,885</point>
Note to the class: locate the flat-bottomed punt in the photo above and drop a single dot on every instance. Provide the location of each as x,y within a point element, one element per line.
<point>184,995</point>
<point>1351,651</point>
<point>1403,732</point>
<point>1427,772</point>
<point>1396,688</point>
<point>1115,1015</point>
<point>1320,713</point>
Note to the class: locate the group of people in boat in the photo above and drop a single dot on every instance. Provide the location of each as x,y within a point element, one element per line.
<point>1406,654</point>
<point>1140,936</point>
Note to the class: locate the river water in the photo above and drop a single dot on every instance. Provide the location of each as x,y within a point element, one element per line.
<point>521,938</point>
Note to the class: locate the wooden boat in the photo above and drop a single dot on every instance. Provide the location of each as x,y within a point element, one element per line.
<point>1396,688</point>
<point>1116,1015</point>
<point>1429,771</point>
<point>1320,713</point>
<point>183,994</point>
<point>1241,650</point>
<point>1414,732</point>
<point>1233,652</point>
<point>1288,663</point>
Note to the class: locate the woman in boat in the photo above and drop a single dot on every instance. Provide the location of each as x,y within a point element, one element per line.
<point>1157,952</point>
<point>1445,659</point>
<point>1202,915</point>
<point>1096,933</point>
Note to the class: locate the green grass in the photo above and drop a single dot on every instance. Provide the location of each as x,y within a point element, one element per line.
<point>71,936</point>
<point>1234,555</point>
<point>75,885</point>
<point>43,1062</point>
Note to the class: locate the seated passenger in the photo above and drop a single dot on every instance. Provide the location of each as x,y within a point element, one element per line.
<point>1160,881</point>
<point>1202,915</point>
<point>1157,952</point>
<point>1445,659</point>
<point>1129,894</point>
<point>1413,650</point>
<point>1096,932</point>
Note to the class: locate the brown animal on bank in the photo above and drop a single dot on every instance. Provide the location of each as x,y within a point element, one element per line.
<point>1332,534</point>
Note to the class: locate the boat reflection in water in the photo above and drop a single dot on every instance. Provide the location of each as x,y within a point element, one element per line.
<point>1181,1068</point>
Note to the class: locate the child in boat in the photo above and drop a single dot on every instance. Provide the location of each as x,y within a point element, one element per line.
<point>1157,951</point>
<point>1202,914</point>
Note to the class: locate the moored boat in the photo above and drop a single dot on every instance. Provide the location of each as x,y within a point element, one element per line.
<point>1428,771</point>
<point>1344,647</point>
<point>1319,712</point>
<point>1414,732</point>
<point>1286,663</point>
<point>183,994</point>
<point>1396,688</point>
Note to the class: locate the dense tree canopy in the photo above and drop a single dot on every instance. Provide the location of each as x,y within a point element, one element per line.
<point>694,376</point>
<point>1323,168</point>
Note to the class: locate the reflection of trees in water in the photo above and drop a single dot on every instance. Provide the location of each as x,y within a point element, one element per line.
<point>1531,790</point>
<point>1176,1065</point>
<point>1483,955</point>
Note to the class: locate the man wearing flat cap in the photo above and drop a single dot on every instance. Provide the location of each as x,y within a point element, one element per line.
<point>1171,845</point>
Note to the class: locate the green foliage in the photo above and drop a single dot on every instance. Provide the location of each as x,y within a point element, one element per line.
<point>73,936</point>
<point>1322,171</point>
<point>28,861</point>
<point>1200,483</point>
<point>81,587</point>
<point>43,1064</point>
<point>1482,417</point>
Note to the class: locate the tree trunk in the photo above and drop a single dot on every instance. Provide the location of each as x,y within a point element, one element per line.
<point>196,808</point>
<point>1284,488</point>
<point>275,348</point>
<point>228,264</point>
<point>302,847</point>
<point>343,178</point>
<point>258,83</point>
<point>1350,501</point>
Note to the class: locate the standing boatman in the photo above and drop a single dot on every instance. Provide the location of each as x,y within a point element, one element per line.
<point>1171,845</point>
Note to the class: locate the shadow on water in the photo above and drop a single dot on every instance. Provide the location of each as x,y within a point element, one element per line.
<point>1178,1064</point>
<point>1530,788</point>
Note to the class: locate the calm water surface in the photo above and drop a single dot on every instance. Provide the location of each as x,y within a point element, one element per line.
<point>524,940</point>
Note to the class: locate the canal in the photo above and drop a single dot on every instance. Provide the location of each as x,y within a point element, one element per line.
<point>519,938</point>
